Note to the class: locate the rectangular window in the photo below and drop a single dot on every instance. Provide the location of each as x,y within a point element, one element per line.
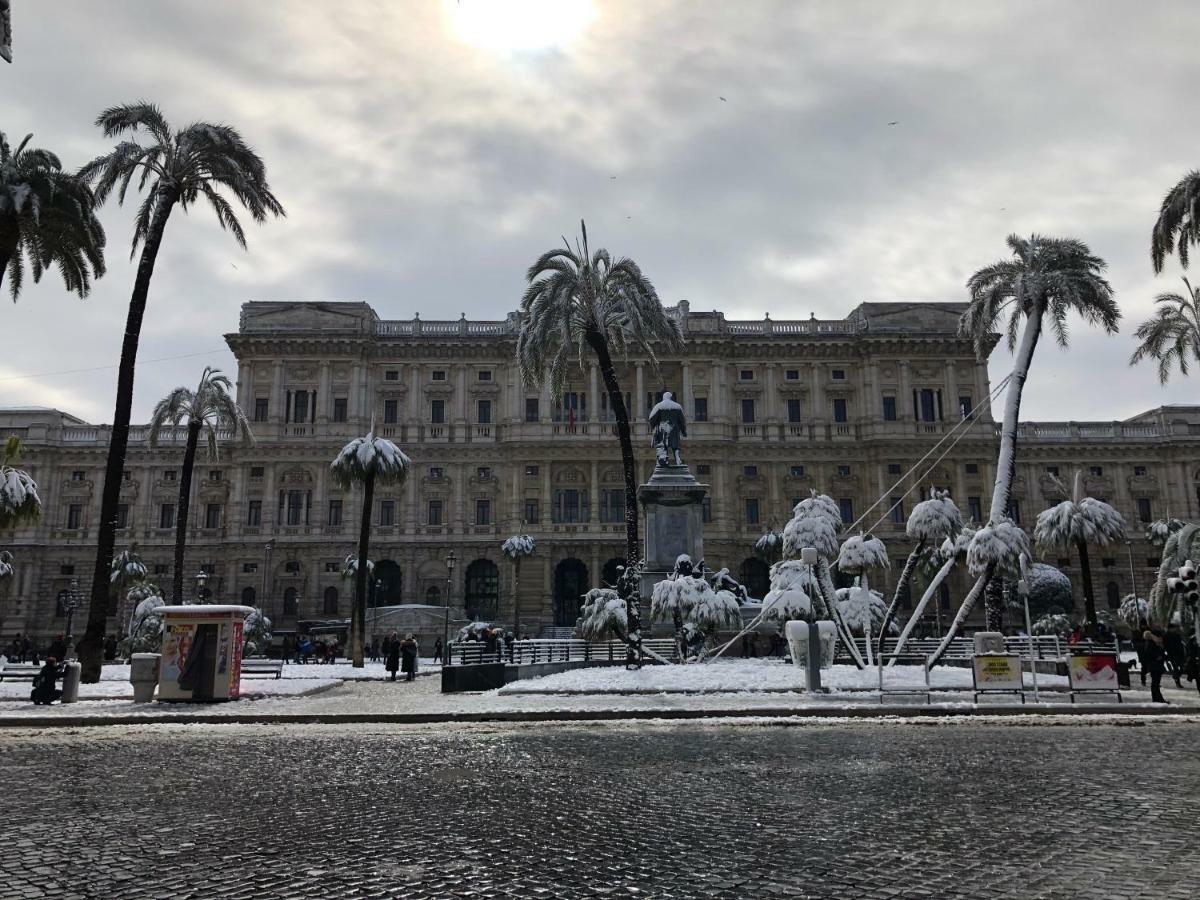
<point>161,568</point>
<point>1096,471</point>
<point>1139,471</point>
<point>484,472</point>
<point>261,407</point>
<point>893,468</point>
<point>485,374</point>
<point>750,471</point>
<point>706,510</point>
<point>700,408</point>
<point>122,515</point>
<point>170,475</point>
<point>335,512</point>
<point>1052,470</point>
<point>214,474</point>
<point>839,409</point>
<point>965,407</point>
<point>387,513</point>
<point>1014,511</point>
<point>295,508</point>
<point>928,405</point>
<point>292,567</point>
<point>792,375</point>
<point>484,412</point>
<point>797,472</point>
<point>843,471</point>
<point>896,505</point>
<point>166,515</point>
<point>300,406</point>
<point>974,509</point>
<point>341,409</point>
<point>391,375</point>
<point>748,411</point>
<point>704,469</point>
<point>889,409</point>
<point>846,507</point>
<point>77,475</point>
<point>751,510</point>
<point>256,471</point>
<point>612,505</point>
<point>254,513</point>
<point>435,512</point>
<point>437,473</point>
<point>839,374</point>
<point>437,412</point>
<point>439,375</point>
<point>531,409</point>
<point>391,411</point>
<point>972,468</point>
<point>531,511</point>
<point>249,568</point>
<point>793,410</point>
<point>531,471</point>
<point>483,512</point>
<point>570,506</point>
<point>1144,511</point>
<point>212,515</point>
<point>746,375</point>
<point>333,567</point>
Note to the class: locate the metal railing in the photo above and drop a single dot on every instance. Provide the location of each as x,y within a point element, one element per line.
<point>548,650</point>
<point>1045,646</point>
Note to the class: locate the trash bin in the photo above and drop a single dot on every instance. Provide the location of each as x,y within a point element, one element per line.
<point>1123,674</point>
<point>143,674</point>
<point>201,653</point>
<point>70,688</point>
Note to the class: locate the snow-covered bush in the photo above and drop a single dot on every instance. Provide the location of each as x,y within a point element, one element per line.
<point>145,628</point>
<point>19,500</point>
<point>815,522</point>
<point>861,552</point>
<point>1053,623</point>
<point>695,601</point>
<point>1049,591</point>
<point>1134,611</point>
<point>935,519</point>
<point>770,545</point>
<point>602,616</point>
<point>860,606</point>
<point>472,631</point>
<point>792,586</point>
<point>256,634</point>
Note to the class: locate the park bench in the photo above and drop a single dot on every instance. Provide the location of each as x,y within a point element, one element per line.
<point>262,668</point>
<point>19,672</point>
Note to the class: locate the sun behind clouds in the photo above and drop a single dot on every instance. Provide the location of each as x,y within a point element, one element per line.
<point>519,26</point>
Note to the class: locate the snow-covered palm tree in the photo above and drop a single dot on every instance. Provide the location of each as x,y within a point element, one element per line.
<point>176,168</point>
<point>793,589</point>
<point>1134,611</point>
<point>769,546</point>
<point>209,410</point>
<point>1159,530</point>
<point>368,460</point>
<point>127,570</point>
<point>602,616</point>
<point>1171,337</point>
<point>1077,523</point>
<point>49,216</point>
<point>516,548</point>
<point>953,551</point>
<point>19,500</point>
<point>1178,223</point>
<point>1044,281</point>
<point>691,603</point>
<point>350,567</point>
<point>930,523</point>
<point>579,302</point>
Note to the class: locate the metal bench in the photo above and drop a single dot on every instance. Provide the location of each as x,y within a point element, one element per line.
<point>262,668</point>
<point>19,672</point>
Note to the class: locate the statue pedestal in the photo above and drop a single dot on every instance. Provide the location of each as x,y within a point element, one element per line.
<point>674,519</point>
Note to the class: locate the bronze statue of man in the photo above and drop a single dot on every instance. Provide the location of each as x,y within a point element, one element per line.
<point>669,426</point>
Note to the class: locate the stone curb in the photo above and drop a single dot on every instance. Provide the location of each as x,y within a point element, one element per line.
<point>605,715</point>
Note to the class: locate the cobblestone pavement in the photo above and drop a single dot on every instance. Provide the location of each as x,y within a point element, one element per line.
<point>619,810</point>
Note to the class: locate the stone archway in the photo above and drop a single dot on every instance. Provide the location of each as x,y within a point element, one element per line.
<point>570,584</point>
<point>755,577</point>
<point>387,589</point>
<point>611,572</point>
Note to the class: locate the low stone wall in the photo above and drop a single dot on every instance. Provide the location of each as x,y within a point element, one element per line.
<point>489,676</point>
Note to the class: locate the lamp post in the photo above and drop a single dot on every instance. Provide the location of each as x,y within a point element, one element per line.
<point>69,603</point>
<point>201,580</point>
<point>375,608</point>
<point>450,561</point>
<point>1023,590</point>
<point>1132,574</point>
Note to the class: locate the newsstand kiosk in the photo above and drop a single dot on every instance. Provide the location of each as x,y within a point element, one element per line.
<point>201,653</point>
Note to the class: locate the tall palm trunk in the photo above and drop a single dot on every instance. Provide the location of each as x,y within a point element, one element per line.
<point>633,553</point>
<point>182,508</point>
<point>358,615</point>
<point>1006,463</point>
<point>1089,596</point>
<point>906,573</point>
<point>91,648</point>
<point>934,584</point>
<point>964,610</point>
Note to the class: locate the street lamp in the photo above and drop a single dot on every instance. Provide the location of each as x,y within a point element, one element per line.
<point>201,580</point>
<point>450,561</point>
<point>69,603</point>
<point>1132,573</point>
<point>375,608</point>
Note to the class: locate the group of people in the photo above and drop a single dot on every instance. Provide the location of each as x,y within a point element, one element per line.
<point>1166,652</point>
<point>400,655</point>
<point>491,638</point>
<point>304,649</point>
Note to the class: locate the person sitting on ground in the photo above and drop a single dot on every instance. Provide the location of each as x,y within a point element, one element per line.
<point>44,692</point>
<point>408,653</point>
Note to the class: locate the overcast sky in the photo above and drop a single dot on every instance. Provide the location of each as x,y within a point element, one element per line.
<point>427,151</point>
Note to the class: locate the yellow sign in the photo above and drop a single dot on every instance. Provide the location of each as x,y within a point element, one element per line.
<point>997,672</point>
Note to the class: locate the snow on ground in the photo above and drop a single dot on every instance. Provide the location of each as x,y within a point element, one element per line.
<point>745,676</point>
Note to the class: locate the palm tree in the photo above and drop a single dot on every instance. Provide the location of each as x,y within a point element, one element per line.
<point>1044,280</point>
<point>179,168</point>
<point>769,546</point>
<point>210,410</point>
<point>1172,335</point>
<point>514,548</point>
<point>367,460</point>
<point>577,302</point>
<point>127,571</point>
<point>49,216</point>
<point>19,500</point>
<point>1178,222</point>
<point>952,551</point>
<point>1076,523</point>
<point>931,522</point>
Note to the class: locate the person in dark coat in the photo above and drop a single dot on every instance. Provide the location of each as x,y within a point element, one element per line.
<point>509,640</point>
<point>437,651</point>
<point>1155,663</point>
<point>491,639</point>
<point>1193,662</point>
<point>408,657</point>
<point>1176,653</point>
<point>58,648</point>
<point>391,654</point>
<point>44,692</point>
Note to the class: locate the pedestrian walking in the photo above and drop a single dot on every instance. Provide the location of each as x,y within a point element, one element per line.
<point>44,691</point>
<point>1155,663</point>
<point>391,654</point>
<point>437,651</point>
<point>492,642</point>
<point>1176,653</point>
<point>408,657</point>
<point>509,640</point>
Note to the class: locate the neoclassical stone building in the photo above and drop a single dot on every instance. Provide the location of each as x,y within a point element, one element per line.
<point>775,408</point>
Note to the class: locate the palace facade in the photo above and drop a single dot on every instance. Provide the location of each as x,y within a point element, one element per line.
<point>775,409</point>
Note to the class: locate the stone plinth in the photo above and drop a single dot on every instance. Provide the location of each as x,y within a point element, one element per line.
<point>674,519</point>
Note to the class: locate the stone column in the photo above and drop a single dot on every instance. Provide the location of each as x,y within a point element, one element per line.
<point>547,494</point>
<point>414,394</point>
<point>905,410</point>
<point>686,400</point>
<point>982,391</point>
<point>594,493</point>
<point>277,411</point>
<point>412,503</point>
<point>323,398</point>
<point>515,504</point>
<point>547,404</point>
<point>771,400</point>
<point>817,378</point>
<point>594,393</point>
<point>951,403</point>
<point>461,389</point>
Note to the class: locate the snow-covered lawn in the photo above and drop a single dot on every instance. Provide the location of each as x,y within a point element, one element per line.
<point>748,675</point>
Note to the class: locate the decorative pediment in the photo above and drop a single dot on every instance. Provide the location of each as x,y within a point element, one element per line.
<point>485,389</point>
<point>439,390</point>
<point>1052,488</point>
<point>489,483</point>
<point>214,490</point>
<point>297,476</point>
<point>1098,485</point>
<point>302,372</point>
<point>1143,485</point>
<point>612,475</point>
<point>83,488</point>
<point>130,489</point>
<point>569,475</point>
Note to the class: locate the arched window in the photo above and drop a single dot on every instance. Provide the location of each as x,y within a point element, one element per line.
<point>433,596</point>
<point>1112,591</point>
<point>612,571</point>
<point>755,576</point>
<point>570,584</point>
<point>388,582</point>
<point>330,606</point>
<point>248,596</point>
<point>291,602</point>
<point>482,590</point>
